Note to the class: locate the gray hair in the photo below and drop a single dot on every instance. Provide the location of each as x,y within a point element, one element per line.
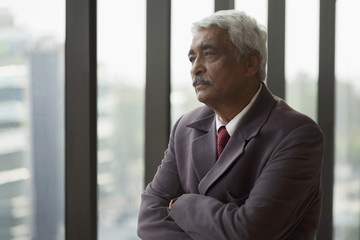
<point>244,32</point>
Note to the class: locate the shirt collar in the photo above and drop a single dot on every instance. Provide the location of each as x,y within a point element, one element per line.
<point>231,126</point>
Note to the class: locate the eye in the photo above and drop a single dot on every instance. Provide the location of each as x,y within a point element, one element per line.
<point>191,59</point>
<point>208,53</point>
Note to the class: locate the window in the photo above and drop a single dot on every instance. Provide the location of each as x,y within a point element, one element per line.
<point>302,55</point>
<point>121,81</point>
<point>347,132</point>
<point>32,107</point>
<point>32,119</point>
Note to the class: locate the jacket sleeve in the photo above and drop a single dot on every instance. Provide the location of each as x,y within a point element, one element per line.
<point>284,193</point>
<point>154,221</point>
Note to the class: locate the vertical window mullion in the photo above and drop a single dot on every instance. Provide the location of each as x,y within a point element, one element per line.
<point>157,93</point>
<point>80,121</point>
<point>326,105</point>
<point>276,47</point>
<point>224,5</point>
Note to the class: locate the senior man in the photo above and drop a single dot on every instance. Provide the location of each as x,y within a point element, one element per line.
<point>243,166</point>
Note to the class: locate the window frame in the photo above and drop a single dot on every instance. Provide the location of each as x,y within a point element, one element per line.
<point>81,120</point>
<point>81,101</point>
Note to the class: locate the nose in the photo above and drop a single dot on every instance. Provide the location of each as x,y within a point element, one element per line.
<point>197,68</point>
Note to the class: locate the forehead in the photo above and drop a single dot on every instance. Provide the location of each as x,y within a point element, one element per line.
<point>213,36</point>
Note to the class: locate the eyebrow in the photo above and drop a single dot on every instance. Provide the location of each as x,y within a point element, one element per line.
<point>202,47</point>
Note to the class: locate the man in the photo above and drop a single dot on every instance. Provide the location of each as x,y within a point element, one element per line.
<point>265,182</point>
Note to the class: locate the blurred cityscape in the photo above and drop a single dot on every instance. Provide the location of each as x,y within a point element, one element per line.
<point>32,142</point>
<point>120,156</point>
<point>31,134</point>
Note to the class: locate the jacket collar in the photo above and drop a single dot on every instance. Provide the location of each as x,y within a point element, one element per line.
<point>204,123</point>
<point>251,123</point>
<point>206,166</point>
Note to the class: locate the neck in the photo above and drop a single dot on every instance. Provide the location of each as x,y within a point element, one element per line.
<point>229,110</point>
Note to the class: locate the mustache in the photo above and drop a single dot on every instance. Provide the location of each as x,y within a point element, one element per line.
<point>202,80</point>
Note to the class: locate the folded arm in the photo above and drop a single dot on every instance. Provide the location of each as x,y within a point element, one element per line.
<point>154,220</point>
<point>285,192</point>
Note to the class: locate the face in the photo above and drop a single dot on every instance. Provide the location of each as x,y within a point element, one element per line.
<point>213,57</point>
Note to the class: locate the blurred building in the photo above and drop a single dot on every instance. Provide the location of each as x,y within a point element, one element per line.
<point>31,134</point>
<point>15,202</point>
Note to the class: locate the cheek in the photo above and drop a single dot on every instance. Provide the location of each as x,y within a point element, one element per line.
<point>215,73</point>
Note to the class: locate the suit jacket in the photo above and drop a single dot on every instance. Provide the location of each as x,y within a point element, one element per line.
<point>265,184</point>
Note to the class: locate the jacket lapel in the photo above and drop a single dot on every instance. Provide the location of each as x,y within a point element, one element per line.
<point>248,128</point>
<point>233,150</point>
<point>204,145</point>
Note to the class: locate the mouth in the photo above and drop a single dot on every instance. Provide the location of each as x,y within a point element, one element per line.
<point>201,81</point>
<point>199,84</point>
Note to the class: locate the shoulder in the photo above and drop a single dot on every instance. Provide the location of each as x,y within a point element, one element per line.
<point>195,115</point>
<point>285,118</point>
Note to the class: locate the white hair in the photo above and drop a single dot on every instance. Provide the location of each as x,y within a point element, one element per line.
<point>244,32</point>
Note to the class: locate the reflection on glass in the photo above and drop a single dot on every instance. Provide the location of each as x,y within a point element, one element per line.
<point>347,133</point>
<point>183,14</point>
<point>121,81</point>
<point>32,120</point>
<point>302,55</point>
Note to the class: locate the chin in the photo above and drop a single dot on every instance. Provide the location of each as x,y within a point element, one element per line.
<point>204,94</point>
<point>201,98</point>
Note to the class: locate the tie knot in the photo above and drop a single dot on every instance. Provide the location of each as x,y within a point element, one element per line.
<point>223,138</point>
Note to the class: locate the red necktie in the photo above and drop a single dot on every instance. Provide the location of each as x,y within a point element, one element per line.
<point>223,137</point>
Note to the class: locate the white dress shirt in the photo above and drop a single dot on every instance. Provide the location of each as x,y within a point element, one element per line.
<point>231,126</point>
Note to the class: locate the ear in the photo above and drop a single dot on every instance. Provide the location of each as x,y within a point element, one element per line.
<point>253,62</point>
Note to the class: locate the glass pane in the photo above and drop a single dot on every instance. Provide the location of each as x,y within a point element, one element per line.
<point>183,14</point>
<point>302,55</point>
<point>32,119</point>
<point>347,133</point>
<point>121,81</point>
<point>257,9</point>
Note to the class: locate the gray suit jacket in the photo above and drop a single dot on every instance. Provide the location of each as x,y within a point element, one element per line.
<point>265,185</point>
